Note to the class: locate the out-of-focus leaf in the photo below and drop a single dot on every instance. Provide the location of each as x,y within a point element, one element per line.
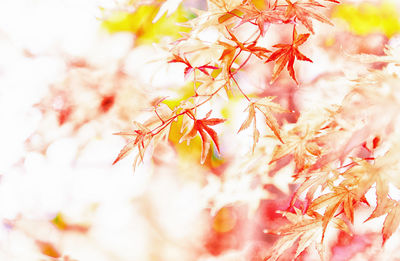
<point>169,6</point>
<point>224,220</point>
<point>48,249</point>
<point>60,222</point>
<point>140,24</point>
<point>368,18</point>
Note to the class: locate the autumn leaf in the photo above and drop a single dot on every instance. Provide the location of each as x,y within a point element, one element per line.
<point>142,137</point>
<point>202,127</point>
<point>247,47</point>
<point>231,52</point>
<point>60,222</point>
<point>189,68</point>
<point>391,222</point>
<point>312,181</point>
<point>363,175</point>
<point>303,146</point>
<point>178,59</point>
<point>251,118</point>
<point>267,108</point>
<point>305,229</point>
<point>263,18</point>
<point>302,228</point>
<point>48,249</point>
<point>286,55</point>
<point>228,15</point>
<point>340,196</point>
<point>304,11</point>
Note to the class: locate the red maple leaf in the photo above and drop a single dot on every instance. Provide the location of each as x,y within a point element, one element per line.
<point>202,126</point>
<point>286,54</point>
<point>304,11</point>
<point>262,18</point>
<point>142,139</point>
<point>247,47</point>
<point>189,68</point>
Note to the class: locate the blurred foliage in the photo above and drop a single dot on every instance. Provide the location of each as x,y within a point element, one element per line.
<point>260,4</point>
<point>224,220</point>
<point>48,249</point>
<point>140,23</point>
<point>367,18</point>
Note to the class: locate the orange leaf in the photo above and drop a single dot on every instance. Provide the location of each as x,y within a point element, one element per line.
<point>267,107</point>
<point>263,18</point>
<point>391,223</point>
<point>228,15</point>
<point>249,119</point>
<point>286,55</point>
<point>332,201</point>
<point>48,249</point>
<point>304,11</point>
<point>306,228</point>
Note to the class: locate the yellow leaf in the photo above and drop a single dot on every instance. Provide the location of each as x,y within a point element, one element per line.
<point>140,23</point>
<point>225,220</point>
<point>368,18</point>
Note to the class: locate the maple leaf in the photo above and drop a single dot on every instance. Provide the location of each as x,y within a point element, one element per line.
<point>228,15</point>
<point>306,229</point>
<point>209,86</point>
<point>286,54</point>
<point>332,201</point>
<point>248,47</point>
<point>189,68</point>
<point>391,222</point>
<point>263,18</point>
<point>201,126</point>
<point>251,118</point>
<point>303,146</point>
<point>363,175</point>
<point>232,51</point>
<point>229,53</point>
<point>303,11</point>
<point>142,139</point>
<point>313,180</point>
<point>267,108</point>
<point>178,59</point>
